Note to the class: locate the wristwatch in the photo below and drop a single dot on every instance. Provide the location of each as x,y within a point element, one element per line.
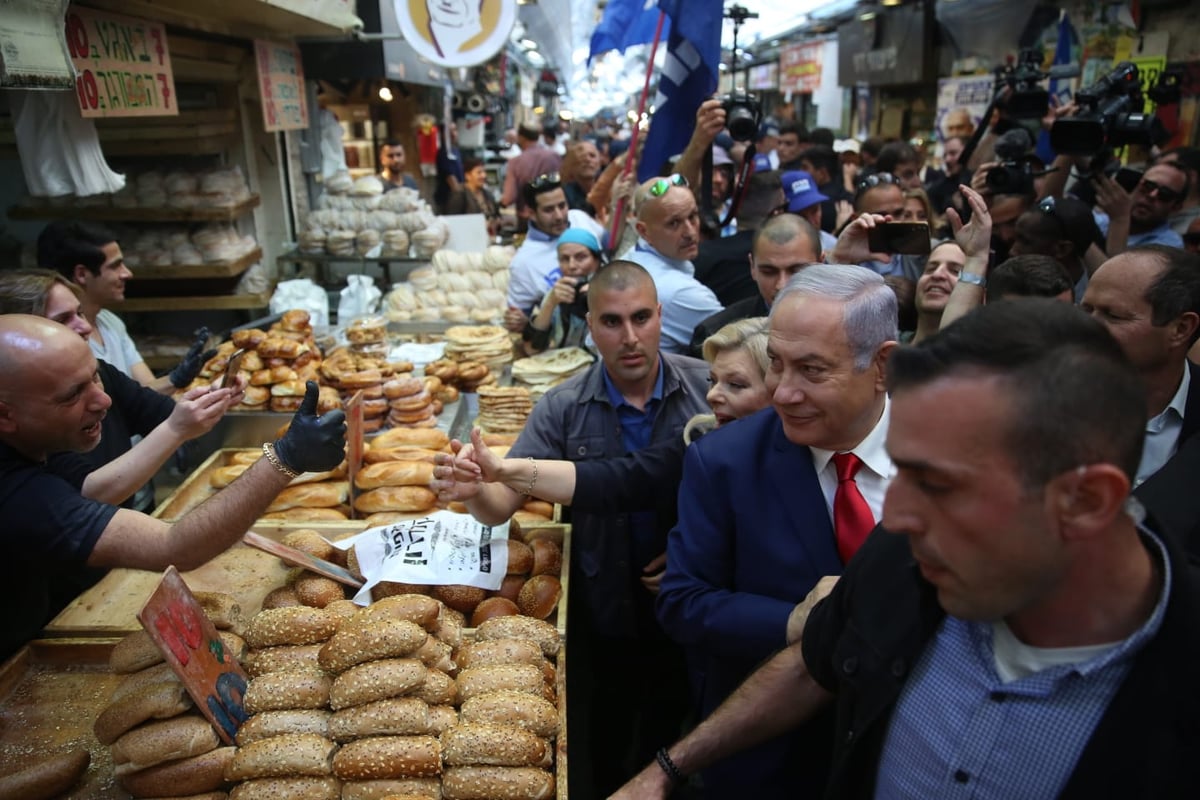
<point>971,278</point>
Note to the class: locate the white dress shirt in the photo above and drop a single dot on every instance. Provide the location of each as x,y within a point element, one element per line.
<point>873,477</point>
<point>1162,431</point>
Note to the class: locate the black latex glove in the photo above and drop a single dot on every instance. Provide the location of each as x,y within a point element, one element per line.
<point>312,443</point>
<point>193,362</point>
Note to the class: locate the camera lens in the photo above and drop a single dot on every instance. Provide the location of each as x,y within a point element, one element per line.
<point>741,124</point>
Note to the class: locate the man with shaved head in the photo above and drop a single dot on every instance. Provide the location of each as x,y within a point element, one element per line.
<point>668,226</point>
<point>782,247</point>
<point>631,698</point>
<point>51,400</point>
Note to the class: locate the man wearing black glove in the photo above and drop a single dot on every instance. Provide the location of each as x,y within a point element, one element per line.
<point>186,371</point>
<point>50,401</point>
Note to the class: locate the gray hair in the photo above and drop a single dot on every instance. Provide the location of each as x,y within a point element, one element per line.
<point>871,309</point>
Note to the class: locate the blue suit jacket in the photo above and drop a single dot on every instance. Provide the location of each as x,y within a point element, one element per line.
<point>754,536</point>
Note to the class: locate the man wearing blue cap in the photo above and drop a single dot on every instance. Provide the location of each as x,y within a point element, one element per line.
<point>805,199</point>
<point>768,140</point>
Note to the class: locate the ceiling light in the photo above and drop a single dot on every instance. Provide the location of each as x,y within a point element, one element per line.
<point>870,15</point>
<point>385,94</point>
<point>891,2</point>
<point>528,44</point>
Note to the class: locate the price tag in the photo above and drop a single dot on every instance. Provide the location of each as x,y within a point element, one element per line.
<point>190,644</point>
<point>299,558</point>
<point>354,444</point>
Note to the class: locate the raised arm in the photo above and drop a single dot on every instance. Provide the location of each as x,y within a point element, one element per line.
<point>194,415</point>
<point>136,541</point>
<point>974,238</point>
<point>710,120</point>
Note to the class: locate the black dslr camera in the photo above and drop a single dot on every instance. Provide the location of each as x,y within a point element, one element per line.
<point>743,115</point>
<point>1112,114</point>
<point>579,306</point>
<point>1014,173</point>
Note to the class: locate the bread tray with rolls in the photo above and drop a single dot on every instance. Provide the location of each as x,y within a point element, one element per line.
<point>50,695</point>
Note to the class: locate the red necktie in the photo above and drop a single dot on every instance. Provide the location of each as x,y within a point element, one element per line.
<point>852,517</point>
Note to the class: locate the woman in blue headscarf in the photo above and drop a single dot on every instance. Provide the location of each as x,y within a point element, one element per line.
<point>561,320</point>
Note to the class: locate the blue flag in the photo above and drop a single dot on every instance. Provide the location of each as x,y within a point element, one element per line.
<point>689,77</point>
<point>624,24</point>
<point>1060,88</point>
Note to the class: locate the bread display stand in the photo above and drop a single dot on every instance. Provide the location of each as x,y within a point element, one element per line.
<point>50,695</point>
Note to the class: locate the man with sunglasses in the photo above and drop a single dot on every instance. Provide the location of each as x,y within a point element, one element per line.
<point>668,227</point>
<point>1142,217</point>
<point>1062,228</point>
<point>534,269</point>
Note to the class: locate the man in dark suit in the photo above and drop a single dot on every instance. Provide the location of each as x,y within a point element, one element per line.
<point>784,245</point>
<point>1149,298</point>
<point>1011,630</point>
<point>758,529</point>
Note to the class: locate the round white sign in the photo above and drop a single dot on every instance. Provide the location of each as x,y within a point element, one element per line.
<point>456,33</point>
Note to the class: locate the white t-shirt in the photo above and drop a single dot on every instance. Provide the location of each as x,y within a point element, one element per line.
<point>118,348</point>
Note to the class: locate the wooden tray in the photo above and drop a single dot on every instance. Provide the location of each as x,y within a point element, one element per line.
<point>50,695</point>
<point>110,607</point>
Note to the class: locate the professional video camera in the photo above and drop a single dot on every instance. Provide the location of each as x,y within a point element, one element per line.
<point>1027,99</point>
<point>743,115</point>
<point>1014,173</point>
<point>1111,114</point>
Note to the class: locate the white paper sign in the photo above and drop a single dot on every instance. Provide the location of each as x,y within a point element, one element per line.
<point>443,548</point>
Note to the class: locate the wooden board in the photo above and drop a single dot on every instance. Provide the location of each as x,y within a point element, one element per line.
<point>229,302</point>
<point>219,269</point>
<point>110,607</point>
<point>50,695</point>
<point>33,210</point>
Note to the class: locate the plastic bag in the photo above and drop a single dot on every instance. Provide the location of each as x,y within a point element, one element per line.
<point>59,148</point>
<point>302,293</point>
<point>360,298</point>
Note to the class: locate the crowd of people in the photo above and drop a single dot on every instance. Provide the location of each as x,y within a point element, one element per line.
<point>844,520</point>
<point>986,437</point>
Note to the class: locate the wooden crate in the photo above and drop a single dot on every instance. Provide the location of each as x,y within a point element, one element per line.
<point>50,695</point>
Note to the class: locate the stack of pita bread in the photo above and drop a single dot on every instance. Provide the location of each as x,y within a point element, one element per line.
<point>538,373</point>
<point>487,344</point>
<point>503,409</point>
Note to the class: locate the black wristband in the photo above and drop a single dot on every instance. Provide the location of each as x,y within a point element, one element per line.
<point>668,766</point>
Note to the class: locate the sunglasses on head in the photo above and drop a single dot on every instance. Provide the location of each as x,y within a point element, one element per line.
<point>877,179</point>
<point>1049,207</point>
<point>1165,193</point>
<point>549,180</point>
<point>663,185</point>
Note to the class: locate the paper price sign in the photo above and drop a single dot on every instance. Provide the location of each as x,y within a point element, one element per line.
<point>122,65</point>
<point>190,644</point>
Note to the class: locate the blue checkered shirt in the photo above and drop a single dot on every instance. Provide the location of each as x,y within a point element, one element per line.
<point>959,731</point>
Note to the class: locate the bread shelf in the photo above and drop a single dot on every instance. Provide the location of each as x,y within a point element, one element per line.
<point>114,214</point>
<point>220,269</point>
<point>232,302</point>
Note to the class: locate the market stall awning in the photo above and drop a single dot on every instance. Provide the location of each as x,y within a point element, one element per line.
<point>245,18</point>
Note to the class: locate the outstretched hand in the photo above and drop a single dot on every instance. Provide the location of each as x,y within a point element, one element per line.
<point>975,237</point>
<point>186,371</point>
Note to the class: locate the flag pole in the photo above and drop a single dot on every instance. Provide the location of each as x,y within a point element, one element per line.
<point>619,213</point>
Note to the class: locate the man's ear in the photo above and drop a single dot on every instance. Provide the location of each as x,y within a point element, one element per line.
<point>8,423</point>
<point>880,364</point>
<point>1183,328</point>
<point>80,274</point>
<point>640,227</point>
<point>1085,501</point>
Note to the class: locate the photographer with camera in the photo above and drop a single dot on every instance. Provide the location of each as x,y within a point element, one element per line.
<point>561,320</point>
<point>1143,216</point>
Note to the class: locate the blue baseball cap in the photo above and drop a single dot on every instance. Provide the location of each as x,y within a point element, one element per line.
<point>800,190</point>
<point>762,163</point>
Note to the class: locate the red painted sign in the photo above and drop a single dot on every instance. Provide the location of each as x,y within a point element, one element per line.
<point>122,65</point>
<point>190,644</point>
